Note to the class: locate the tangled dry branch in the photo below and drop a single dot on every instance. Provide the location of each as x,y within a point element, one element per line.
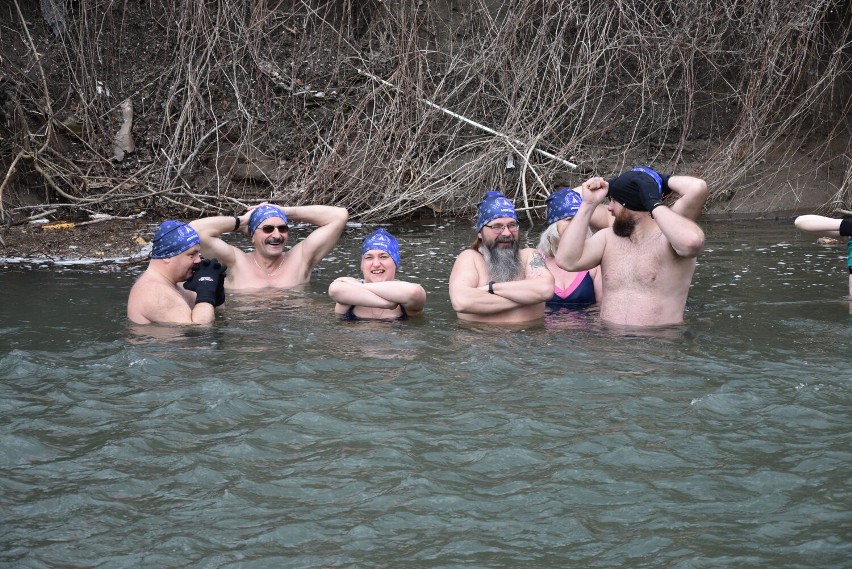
<point>344,102</point>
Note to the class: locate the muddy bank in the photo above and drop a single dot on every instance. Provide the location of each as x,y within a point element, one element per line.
<point>117,243</point>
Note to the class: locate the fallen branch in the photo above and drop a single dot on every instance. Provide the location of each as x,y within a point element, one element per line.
<point>469,121</point>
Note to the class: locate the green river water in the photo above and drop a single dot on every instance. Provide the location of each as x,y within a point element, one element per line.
<point>282,437</point>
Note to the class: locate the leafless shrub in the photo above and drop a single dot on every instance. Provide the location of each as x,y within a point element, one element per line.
<point>346,102</point>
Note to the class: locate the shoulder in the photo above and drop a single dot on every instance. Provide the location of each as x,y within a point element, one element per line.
<point>468,257</point>
<point>533,258</point>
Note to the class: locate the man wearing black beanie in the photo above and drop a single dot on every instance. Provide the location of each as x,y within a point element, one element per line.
<point>648,256</point>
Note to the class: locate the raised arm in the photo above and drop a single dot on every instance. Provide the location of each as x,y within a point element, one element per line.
<point>693,194</point>
<point>210,229</point>
<point>575,251</point>
<point>601,218</point>
<point>330,222</point>
<point>683,234</point>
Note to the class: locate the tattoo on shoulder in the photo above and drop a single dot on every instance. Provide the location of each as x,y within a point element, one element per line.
<point>537,261</point>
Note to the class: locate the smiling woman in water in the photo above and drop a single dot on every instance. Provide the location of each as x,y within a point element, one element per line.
<point>378,295</point>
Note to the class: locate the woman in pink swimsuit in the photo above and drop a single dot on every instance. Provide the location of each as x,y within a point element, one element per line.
<point>571,289</point>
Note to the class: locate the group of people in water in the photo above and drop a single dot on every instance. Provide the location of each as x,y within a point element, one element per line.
<point>629,244</point>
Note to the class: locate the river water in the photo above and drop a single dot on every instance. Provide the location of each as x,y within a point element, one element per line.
<point>282,437</point>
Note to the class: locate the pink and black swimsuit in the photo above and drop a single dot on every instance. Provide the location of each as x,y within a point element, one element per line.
<point>581,292</point>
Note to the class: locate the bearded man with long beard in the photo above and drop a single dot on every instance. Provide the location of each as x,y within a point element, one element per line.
<point>648,256</point>
<point>495,280</point>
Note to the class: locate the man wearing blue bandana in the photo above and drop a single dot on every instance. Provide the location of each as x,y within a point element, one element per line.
<point>269,264</point>
<point>495,280</point>
<point>648,256</point>
<point>378,295</point>
<point>833,227</point>
<point>157,296</point>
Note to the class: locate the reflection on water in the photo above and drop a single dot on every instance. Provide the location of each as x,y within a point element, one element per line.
<point>283,436</point>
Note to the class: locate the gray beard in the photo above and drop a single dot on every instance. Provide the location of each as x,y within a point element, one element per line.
<point>504,264</point>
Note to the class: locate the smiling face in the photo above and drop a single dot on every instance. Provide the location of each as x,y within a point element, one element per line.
<point>269,237</point>
<point>377,266</point>
<point>505,238</point>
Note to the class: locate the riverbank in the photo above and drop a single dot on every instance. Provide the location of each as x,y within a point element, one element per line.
<point>119,242</point>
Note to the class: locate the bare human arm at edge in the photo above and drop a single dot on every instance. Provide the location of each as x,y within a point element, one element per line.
<point>693,193</point>
<point>818,224</point>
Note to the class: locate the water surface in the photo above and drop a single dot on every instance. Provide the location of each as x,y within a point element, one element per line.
<point>282,437</point>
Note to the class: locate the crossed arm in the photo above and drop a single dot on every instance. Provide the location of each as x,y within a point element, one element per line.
<point>468,296</point>
<point>348,291</point>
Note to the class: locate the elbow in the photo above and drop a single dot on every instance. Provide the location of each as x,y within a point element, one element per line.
<point>566,264</point>
<point>699,188</point>
<point>693,246</point>
<point>459,303</point>
<point>335,289</point>
<point>544,292</point>
<point>418,300</point>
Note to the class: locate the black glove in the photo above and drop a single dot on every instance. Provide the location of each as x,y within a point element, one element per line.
<point>666,189</point>
<point>208,282</point>
<point>650,194</point>
<point>220,288</point>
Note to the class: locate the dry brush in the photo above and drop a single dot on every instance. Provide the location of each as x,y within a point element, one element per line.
<point>223,103</point>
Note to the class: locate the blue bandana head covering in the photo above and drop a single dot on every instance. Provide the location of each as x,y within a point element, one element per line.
<point>261,214</point>
<point>383,241</point>
<point>562,204</point>
<point>173,238</point>
<point>493,206</point>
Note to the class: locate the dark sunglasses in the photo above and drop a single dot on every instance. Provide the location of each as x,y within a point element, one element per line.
<point>270,228</point>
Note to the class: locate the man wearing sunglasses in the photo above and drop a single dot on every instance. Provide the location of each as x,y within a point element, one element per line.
<point>495,280</point>
<point>648,255</point>
<point>268,264</point>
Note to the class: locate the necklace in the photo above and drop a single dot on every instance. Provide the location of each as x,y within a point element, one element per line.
<point>268,273</point>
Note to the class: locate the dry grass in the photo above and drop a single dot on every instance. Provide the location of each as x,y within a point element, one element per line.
<point>335,101</point>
